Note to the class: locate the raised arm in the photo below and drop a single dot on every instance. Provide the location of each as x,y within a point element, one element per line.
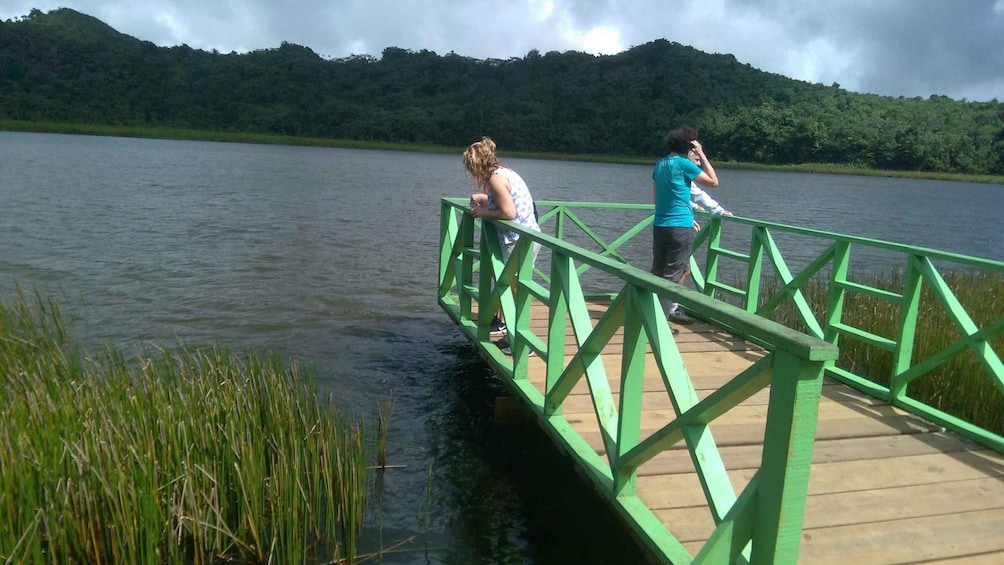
<point>708,177</point>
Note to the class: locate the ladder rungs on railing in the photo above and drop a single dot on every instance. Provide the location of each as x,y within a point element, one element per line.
<point>730,253</point>
<point>867,337</point>
<point>722,286</point>
<point>870,291</point>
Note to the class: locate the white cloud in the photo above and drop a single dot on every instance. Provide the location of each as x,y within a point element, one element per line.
<point>540,11</point>
<point>603,40</point>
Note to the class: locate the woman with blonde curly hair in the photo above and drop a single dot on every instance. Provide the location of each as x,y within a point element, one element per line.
<point>504,196</point>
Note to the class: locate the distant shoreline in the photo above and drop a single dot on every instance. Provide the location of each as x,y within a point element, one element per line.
<point>264,139</point>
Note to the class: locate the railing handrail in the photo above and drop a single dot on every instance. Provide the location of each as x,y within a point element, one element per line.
<point>959,258</point>
<point>918,271</point>
<point>875,243</point>
<point>918,267</point>
<point>742,323</point>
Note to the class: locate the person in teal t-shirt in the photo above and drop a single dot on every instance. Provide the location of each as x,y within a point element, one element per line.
<point>673,228</point>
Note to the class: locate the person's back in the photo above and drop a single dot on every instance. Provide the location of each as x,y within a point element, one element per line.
<point>672,176</point>
<point>522,201</point>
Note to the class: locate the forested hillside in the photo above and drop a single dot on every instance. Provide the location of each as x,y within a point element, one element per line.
<point>64,66</point>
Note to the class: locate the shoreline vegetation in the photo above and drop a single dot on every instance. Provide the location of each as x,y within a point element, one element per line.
<point>962,386</point>
<point>177,457</point>
<point>264,139</point>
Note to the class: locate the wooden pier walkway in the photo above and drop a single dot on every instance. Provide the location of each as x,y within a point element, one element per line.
<point>885,486</point>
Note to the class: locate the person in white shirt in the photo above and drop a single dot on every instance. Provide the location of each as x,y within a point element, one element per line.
<point>700,200</point>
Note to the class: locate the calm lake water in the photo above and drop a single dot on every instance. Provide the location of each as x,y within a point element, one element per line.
<point>329,256</point>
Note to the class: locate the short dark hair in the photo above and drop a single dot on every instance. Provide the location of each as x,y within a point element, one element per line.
<point>678,140</point>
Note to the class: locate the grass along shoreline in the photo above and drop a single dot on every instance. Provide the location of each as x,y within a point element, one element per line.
<point>187,457</point>
<point>963,386</point>
<point>239,137</point>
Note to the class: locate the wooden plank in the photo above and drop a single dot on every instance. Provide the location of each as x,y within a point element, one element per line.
<point>743,434</point>
<point>898,503</point>
<point>874,506</point>
<point>658,399</point>
<point>695,337</point>
<point>692,340</point>
<point>973,538</point>
<point>826,451</point>
<point>672,491</point>
<point>907,541</point>
<point>689,343</point>
<point>707,378</point>
<point>991,558</point>
<point>744,425</point>
<point>708,372</point>
<point>755,415</point>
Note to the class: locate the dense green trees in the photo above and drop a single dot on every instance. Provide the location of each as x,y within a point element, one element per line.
<point>69,67</point>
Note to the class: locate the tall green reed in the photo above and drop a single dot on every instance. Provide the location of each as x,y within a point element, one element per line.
<point>183,457</point>
<point>384,412</point>
<point>961,387</point>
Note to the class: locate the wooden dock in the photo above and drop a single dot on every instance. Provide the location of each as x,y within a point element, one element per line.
<point>885,486</point>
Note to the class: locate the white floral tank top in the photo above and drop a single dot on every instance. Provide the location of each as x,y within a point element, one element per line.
<point>521,199</point>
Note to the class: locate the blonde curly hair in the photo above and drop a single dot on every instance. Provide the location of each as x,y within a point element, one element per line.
<point>480,161</point>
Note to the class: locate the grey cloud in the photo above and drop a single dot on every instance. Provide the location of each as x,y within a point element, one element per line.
<point>891,47</point>
<point>902,47</point>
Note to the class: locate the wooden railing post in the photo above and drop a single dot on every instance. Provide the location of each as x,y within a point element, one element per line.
<point>787,455</point>
<point>908,313</point>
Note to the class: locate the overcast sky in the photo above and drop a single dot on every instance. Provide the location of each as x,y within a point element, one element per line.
<point>891,47</point>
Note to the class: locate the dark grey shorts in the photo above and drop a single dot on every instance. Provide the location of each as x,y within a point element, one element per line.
<point>671,249</point>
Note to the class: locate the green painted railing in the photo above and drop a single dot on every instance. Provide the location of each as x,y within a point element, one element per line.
<point>754,257</point>
<point>761,523</point>
<point>761,257</point>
